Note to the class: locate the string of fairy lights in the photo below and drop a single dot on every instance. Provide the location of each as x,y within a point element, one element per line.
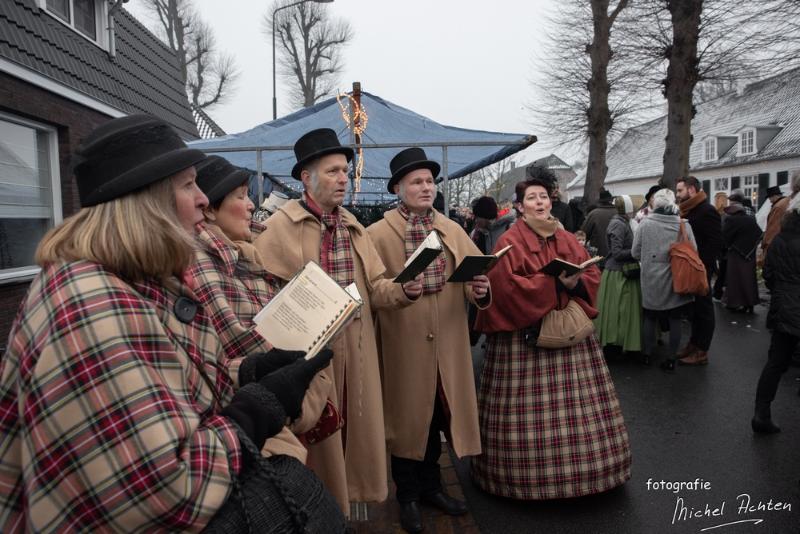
<point>356,119</point>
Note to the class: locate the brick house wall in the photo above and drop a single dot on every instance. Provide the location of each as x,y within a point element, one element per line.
<point>72,122</point>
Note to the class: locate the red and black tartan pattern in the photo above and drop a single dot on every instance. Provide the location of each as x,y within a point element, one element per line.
<point>417,229</point>
<point>233,289</point>
<point>551,425</point>
<point>118,428</point>
<point>336,250</point>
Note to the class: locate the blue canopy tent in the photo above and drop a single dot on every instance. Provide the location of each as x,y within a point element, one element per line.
<point>267,148</point>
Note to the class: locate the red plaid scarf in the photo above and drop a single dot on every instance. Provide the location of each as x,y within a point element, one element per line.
<point>336,250</point>
<point>417,229</point>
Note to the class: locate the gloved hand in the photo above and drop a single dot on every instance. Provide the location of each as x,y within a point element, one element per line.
<point>257,411</point>
<point>289,383</point>
<point>257,366</point>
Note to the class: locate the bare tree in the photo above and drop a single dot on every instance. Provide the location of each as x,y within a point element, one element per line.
<point>209,74</point>
<point>310,47</point>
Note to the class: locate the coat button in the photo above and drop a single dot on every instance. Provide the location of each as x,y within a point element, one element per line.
<point>430,336</point>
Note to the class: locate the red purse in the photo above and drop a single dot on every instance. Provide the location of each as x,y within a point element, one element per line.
<point>688,272</point>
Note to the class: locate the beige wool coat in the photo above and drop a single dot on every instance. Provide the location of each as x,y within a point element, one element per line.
<point>422,341</point>
<point>355,472</point>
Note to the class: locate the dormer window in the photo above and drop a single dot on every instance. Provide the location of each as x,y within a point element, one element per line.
<point>747,142</point>
<point>710,150</point>
<point>84,16</point>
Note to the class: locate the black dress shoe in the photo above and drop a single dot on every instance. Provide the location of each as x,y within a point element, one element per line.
<point>668,365</point>
<point>445,503</point>
<point>410,516</point>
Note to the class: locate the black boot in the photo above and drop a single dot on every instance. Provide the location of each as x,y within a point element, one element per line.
<point>411,516</point>
<point>762,420</point>
<point>668,365</point>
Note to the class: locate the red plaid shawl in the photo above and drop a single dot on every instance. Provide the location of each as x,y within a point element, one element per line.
<point>417,229</point>
<point>233,287</point>
<point>118,422</point>
<point>336,250</point>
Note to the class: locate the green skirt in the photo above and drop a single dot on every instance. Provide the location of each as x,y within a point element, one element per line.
<point>619,302</point>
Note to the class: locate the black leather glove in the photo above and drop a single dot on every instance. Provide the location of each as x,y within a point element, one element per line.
<point>258,411</point>
<point>289,383</point>
<point>257,366</point>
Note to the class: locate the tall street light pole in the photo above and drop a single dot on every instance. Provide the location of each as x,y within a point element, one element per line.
<point>274,12</point>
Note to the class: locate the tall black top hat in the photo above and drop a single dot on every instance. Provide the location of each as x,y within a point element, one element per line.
<point>774,190</point>
<point>216,177</point>
<point>314,145</point>
<point>409,160</point>
<point>127,154</point>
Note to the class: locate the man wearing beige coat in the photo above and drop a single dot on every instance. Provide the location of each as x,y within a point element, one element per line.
<point>351,462</point>
<point>428,383</point>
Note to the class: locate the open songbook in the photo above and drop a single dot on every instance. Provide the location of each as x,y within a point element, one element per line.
<point>421,258</point>
<point>471,266</point>
<point>308,312</point>
<point>557,266</point>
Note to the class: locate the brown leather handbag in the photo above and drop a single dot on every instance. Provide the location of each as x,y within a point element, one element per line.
<point>564,327</point>
<point>688,272</point>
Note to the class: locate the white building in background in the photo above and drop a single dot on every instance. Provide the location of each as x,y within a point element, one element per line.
<point>748,139</point>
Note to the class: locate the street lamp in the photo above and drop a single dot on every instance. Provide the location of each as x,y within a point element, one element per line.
<point>274,12</point>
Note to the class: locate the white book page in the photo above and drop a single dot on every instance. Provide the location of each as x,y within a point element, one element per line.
<point>431,241</point>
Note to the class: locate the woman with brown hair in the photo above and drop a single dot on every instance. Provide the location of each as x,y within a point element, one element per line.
<point>116,414</point>
<point>551,425</point>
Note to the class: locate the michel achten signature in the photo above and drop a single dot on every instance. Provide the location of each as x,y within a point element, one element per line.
<point>742,510</point>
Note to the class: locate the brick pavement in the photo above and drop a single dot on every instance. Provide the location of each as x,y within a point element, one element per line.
<point>384,518</point>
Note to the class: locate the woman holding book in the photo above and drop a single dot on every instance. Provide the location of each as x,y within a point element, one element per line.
<point>228,278</point>
<point>117,415</point>
<point>551,424</point>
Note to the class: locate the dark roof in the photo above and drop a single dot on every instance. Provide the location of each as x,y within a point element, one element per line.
<point>774,101</point>
<point>143,78</point>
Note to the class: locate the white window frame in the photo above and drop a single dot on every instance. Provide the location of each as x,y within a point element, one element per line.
<point>750,186</point>
<point>18,274</point>
<point>724,179</point>
<point>100,19</point>
<point>751,133</point>
<point>710,149</point>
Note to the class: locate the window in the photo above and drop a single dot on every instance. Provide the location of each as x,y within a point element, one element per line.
<point>710,150</point>
<point>750,188</point>
<point>747,143</point>
<point>82,15</point>
<point>721,184</point>
<point>30,196</point>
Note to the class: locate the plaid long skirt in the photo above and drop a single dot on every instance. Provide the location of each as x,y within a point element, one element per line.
<point>550,421</point>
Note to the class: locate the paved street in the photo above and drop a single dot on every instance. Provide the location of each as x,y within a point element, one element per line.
<point>693,424</point>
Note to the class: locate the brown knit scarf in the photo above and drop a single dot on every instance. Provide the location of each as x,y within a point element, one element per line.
<point>543,228</point>
<point>691,203</point>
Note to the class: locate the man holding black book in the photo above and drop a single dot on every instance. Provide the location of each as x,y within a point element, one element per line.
<point>425,351</point>
<point>352,461</point>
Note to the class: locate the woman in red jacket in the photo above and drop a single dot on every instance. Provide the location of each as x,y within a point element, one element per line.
<point>553,411</point>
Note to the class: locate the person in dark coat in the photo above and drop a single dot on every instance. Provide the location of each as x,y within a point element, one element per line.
<point>707,227</point>
<point>578,216</point>
<point>596,224</point>
<point>740,236</point>
<point>561,210</point>
<point>782,276</point>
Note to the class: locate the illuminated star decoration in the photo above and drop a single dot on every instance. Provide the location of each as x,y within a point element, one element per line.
<point>352,111</point>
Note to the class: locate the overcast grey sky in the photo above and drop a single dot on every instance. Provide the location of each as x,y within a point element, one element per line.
<point>464,63</point>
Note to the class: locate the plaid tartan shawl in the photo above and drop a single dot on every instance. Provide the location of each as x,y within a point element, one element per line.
<point>417,229</point>
<point>336,250</point>
<point>233,287</point>
<point>119,431</point>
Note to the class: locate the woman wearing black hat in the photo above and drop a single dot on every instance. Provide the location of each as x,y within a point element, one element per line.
<point>111,391</point>
<point>228,277</point>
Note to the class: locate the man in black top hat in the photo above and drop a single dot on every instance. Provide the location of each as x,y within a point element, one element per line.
<point>428,383</point>
<point>596,223</point>
<point>352,461</point>
<point>779,204</point>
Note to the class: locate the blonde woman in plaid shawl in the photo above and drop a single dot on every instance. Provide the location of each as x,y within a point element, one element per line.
<point>428,384</point>
<point>228,278</point>
<point>352,462</point>
<point>109,392</point>
<point>551,424</point>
